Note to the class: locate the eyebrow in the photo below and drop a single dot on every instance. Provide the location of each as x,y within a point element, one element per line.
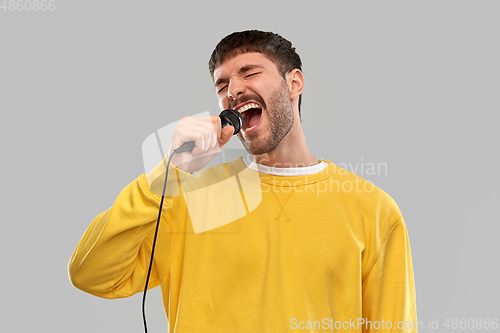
<point>242,70</point>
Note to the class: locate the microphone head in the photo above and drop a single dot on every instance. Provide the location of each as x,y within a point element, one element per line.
<point>233,118</point>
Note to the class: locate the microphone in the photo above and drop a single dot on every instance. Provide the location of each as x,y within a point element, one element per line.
<point>227,117</point>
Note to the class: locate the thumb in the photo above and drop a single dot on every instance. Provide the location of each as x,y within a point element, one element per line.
<point>225,135</point>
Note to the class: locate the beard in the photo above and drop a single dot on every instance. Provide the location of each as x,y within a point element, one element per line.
<point>279,114</point>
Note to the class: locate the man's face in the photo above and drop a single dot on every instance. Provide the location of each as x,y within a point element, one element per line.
<point>251,80</point>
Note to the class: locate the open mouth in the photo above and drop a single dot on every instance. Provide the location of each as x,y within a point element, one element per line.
<point>251,113</point>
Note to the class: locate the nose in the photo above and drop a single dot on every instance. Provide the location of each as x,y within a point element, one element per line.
<point>235,89</point>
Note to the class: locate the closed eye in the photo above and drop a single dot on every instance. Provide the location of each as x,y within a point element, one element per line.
<point>221,89</point>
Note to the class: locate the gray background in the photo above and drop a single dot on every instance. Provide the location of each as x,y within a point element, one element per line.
<point>413,85</point>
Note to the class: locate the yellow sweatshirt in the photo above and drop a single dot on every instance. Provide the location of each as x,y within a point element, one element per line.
<point>319,253</point>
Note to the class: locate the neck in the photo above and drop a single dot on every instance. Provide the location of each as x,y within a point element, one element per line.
<point>291,152</point>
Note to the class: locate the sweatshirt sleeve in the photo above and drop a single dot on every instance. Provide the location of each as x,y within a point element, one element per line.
<point>112,258</point>
<point>389,286</point>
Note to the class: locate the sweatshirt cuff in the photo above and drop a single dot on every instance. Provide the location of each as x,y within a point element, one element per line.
<point>153,182</point>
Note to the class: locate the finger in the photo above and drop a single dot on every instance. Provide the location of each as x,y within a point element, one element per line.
<point>210,136</point>
<point>199,145</point>
<point>226,134</point>
<point>198,130</point>
<point>213,140</point>
<point>217,125</point>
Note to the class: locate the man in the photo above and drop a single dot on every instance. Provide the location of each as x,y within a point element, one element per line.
<point>323,250</point>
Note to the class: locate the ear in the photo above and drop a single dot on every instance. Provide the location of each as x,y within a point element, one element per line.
<point>295,81</point>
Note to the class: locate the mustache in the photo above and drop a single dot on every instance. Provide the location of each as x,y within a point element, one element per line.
<point>247,98</point>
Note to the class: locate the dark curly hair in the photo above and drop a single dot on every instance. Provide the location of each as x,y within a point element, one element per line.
<point>276,48</point>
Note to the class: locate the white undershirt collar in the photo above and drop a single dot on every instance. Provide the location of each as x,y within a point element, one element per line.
<point>300,171</point>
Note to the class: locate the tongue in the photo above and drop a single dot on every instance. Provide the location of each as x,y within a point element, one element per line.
<point>254,120</point>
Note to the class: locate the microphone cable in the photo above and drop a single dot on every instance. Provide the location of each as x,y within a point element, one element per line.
<point>187,146</point>
<point>228,117</point>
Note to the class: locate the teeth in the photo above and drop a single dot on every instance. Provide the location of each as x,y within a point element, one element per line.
<point>248,129</point>
<point>248,106</point>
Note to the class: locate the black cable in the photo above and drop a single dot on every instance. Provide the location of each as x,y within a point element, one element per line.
<point>228,117</point>
<point>154,243</point>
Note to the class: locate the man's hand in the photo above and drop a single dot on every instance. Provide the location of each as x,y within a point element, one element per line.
<point>208,136</point>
